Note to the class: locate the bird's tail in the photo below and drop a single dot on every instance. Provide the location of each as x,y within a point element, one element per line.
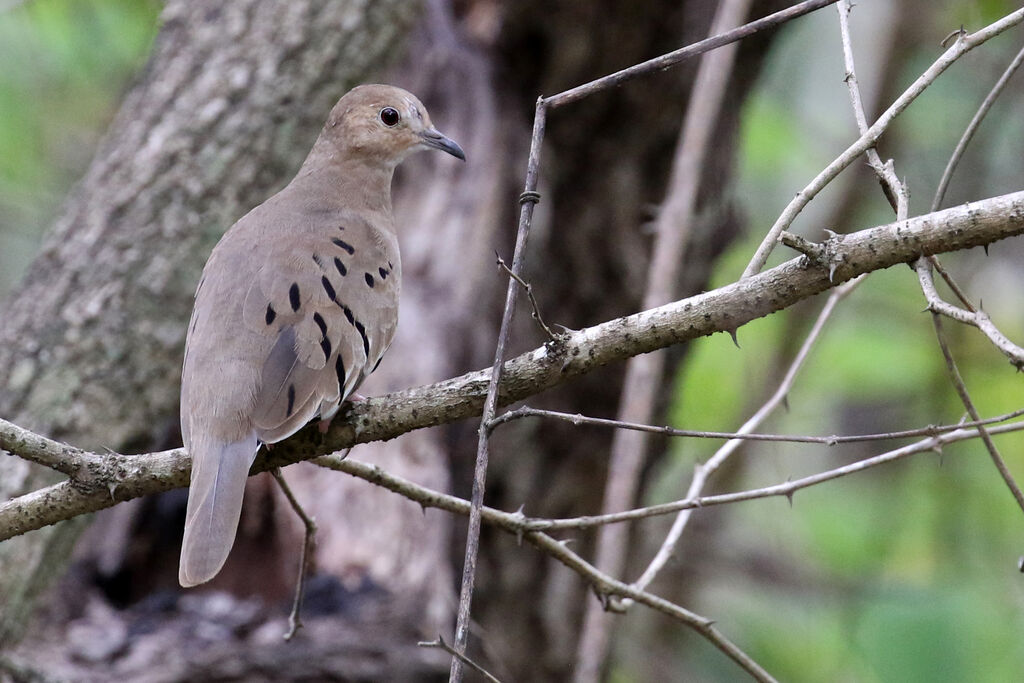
<point>219,473</point>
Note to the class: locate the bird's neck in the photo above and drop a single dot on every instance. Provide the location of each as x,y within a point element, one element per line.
<point>350,183</point>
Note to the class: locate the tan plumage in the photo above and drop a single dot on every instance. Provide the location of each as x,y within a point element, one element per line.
<point>296,306</point>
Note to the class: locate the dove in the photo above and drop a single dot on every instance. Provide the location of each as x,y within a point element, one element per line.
<point>295,307</point>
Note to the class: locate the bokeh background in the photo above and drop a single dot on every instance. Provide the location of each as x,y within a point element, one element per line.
<point>904,573</point>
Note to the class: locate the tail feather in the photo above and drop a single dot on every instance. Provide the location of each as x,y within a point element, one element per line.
<point>219,473</point>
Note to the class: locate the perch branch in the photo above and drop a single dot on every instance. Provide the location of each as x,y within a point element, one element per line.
<point>115,478</point>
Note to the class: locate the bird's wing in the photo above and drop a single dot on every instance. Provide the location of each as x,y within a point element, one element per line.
<point>328,298</point>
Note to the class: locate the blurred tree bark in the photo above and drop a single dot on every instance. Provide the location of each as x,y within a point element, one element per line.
<point>225,111</point>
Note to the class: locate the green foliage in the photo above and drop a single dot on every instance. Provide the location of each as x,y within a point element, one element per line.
<point>65,63</point>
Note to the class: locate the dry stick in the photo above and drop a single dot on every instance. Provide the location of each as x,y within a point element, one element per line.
<point>976,318</point>
<point>897,194</point>
<point>963,45</point>
<point>972,128</point>
<point>886,172</point>
<point>833,440</point>
<point>308,547</point>
<point>786,489</point>
<point>701,472</point>
<point>527,201</point>
<point>441,645</point>
<point>533,300</point>
<point>643,380</point>
<point>672,58</point>
<point>965,398</point>
<point>970,316</point>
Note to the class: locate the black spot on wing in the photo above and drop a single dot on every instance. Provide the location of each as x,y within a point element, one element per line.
<point>325,344</point>
<point>339,370</point>
<point>383,273</point>
<point>293,296</point>
<point>319,320</point>
<point>377,364</point>
<point>348,314</point>
<point>291,400</point>
<point>344,245</point>
<point>366,342</point>
<point>328,287</point>
<point>271,314</point>
<point>369,279</point>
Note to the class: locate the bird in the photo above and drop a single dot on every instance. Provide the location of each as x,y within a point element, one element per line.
<point>295,307</point>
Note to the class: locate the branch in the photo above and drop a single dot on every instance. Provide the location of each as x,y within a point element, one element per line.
<point>832,440</point>
<point>115,478</point>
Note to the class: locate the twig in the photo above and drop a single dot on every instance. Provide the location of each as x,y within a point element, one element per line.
<point>975,318</point>
<point>644,374</point>
<point>972,128</point>
<point>895,191</point>
<point>833,440</point>
<point>491,401</point>
<point>529,293</point>
<point>785,489</point>
<point>702,472</point>
<point>965,398</point>
<point>672,58</point>
<point>963,45</point>
<point>441,645</point>
<point>970,316</point>
<point>308,548</point>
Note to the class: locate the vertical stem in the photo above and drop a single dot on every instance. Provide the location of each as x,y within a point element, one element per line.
<point>527,201</point>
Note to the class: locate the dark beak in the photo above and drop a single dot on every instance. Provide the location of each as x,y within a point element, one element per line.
<point>433,139</point>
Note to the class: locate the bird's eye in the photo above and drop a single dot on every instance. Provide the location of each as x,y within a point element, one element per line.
<point>389,116</point>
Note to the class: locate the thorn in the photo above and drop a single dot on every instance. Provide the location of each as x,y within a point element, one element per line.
<point>832,272</point>
<point>832,440</point>
<point>785,402</point>
<point>732,333</point>
<point>832,234</point>
<point>112,486</point>
<point>985,247</point>
<point>789,497</point>
<point>1020,564</point>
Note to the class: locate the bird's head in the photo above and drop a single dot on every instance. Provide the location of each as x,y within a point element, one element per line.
<point>384,123</point>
